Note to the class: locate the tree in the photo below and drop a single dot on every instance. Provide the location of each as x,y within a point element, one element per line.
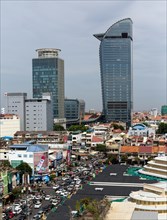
<point>24,168</point>
<point>16,192</point>
<point>146,124</point>
<point>57,127</point>
<point>112,159</point>
<point>162,128</point>
<point>116,126</point>
<point>77,128</point>
<point>5,163</point>
<point>101,147</point>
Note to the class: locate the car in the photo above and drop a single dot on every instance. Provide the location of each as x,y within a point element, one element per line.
<point>40,213</point>
<point>27,211</point>
<point>22,217</point>
<point>36,217</point>
<point>56,187</point>
<point>23,201</point>
<point>47,208</point>
<point>74,213</point>
<point>9,213</point>
<point>17,210</point>
<point>55,202</point>
<point>17,205</point>
<point>47,197</point>
<point>4,216</point>
<point>38,197</point>
<point>37,205</point>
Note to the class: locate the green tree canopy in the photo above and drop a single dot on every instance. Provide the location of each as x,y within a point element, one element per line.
<point>57,127</point>
<point>77,128</point>
<point>116,126</point>
<point>24,168</point>
<point>16,192</point>
<point>101,147</point>
<point>162,128</point>
<point>5,163</point>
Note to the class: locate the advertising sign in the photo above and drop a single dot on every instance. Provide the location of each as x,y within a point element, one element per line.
<point>41,162</point>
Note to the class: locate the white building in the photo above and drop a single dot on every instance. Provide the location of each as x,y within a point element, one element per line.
<point>9,124</point>
<point>4,154</point>
<point>31,154</point>
<point>153,197</point>
<point>34,114</point>
<point>141,130</point>
<point>39,115</point>
<point>15,104</point>
<point>156,167</point>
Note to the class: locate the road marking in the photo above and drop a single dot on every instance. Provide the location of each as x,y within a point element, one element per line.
<point>117,184</point>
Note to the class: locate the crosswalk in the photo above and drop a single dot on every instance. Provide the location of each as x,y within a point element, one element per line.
<point>116,184</point>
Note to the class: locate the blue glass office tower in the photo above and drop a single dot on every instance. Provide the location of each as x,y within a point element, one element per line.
<point>116,71</point>
<point>48,76</point>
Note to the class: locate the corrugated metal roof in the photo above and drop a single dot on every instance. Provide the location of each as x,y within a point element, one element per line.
<point>37,148</point>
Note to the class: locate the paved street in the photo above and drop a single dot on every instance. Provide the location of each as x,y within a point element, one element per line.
<point>63,211</point>
<point>48,191</point>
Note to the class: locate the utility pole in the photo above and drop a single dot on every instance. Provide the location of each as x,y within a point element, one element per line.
<point>1,195</point>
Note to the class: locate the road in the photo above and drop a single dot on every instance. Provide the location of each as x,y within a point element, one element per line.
<point>49,191</point>
<point>115,189</point>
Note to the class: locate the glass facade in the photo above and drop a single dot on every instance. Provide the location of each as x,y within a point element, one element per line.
<point>164,110</point>
<point>74,109</point>
<point>48,76</point>
<point>116,71</point>
<point>71,109</point>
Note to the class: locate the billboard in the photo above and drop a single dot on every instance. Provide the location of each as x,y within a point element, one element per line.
<point>41,162</point>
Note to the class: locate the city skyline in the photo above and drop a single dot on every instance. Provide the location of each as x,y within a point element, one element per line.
<point>26,26</point>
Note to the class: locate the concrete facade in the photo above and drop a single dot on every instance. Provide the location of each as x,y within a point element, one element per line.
<point>15,104</point>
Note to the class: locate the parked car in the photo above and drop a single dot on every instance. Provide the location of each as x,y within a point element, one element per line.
<point>47,197</point>
<point>22,217</point>
<point>27,211</point>
<point>37,205</point>
<point>4,217</point>
<point>36,217</point>
<point>56,187</point>
<point>17,210</point>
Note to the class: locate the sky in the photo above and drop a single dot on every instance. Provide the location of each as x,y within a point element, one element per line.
<point>69,26</point>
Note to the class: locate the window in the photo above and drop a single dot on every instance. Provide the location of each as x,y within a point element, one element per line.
<point>19,155</point>
<point>31,155</point>
<point>25,155</point>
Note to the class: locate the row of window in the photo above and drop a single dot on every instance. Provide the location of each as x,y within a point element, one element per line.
<point>25,155</point>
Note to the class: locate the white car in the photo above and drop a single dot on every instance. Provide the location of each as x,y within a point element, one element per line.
<point>17,210</point>
<point>54,202</point>
<point>56,187</point>
<point>37,205</point>
<point>47,197</point>
<point>3,215</point>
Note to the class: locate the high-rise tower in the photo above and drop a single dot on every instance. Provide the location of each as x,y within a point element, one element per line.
<point>116,71</point>
<point>48,76</point>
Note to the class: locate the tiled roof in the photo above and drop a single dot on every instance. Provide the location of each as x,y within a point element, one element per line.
<point>145,149</point>
<point>97,139</point>
<point>129,149</point>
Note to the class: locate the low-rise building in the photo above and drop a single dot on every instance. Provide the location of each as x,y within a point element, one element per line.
<point>141,130</point>
<point>9,124</point>
<point>35,155</point>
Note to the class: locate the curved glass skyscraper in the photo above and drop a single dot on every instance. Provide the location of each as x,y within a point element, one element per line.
<point>116,71</point>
